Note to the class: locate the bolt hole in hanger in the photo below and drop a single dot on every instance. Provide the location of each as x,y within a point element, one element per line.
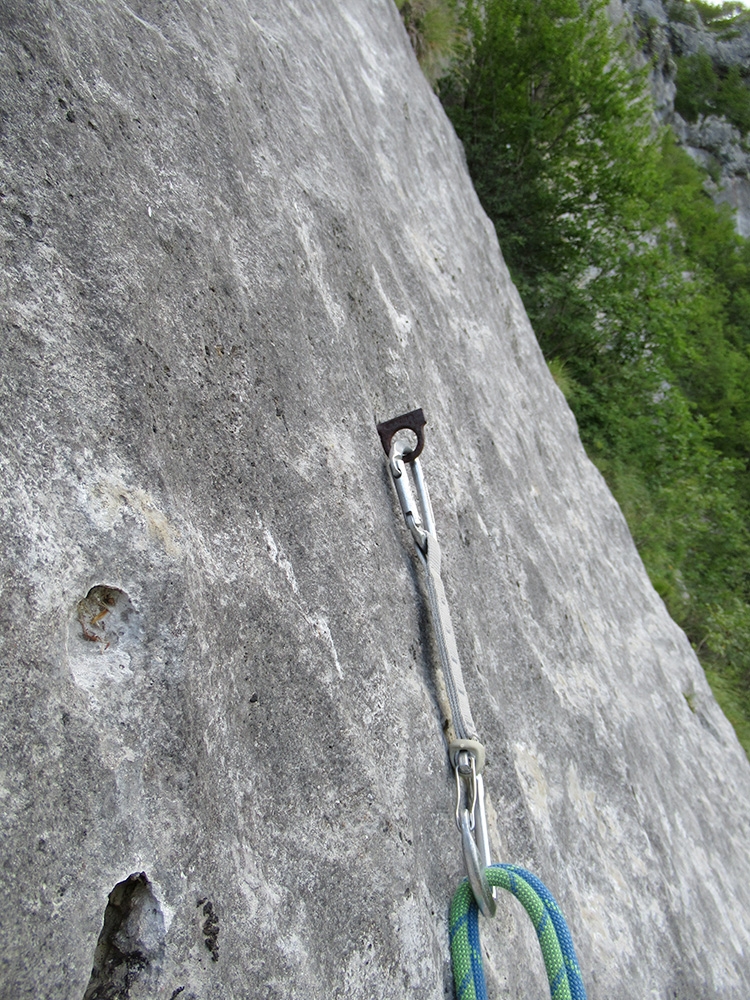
<point>418,514</point>
<point>415,422</point>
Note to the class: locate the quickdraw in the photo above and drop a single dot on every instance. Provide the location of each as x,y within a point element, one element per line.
<point>467,756</point>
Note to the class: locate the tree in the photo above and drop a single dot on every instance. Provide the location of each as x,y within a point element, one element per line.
<point>556,128</point>
<point>637,287</point>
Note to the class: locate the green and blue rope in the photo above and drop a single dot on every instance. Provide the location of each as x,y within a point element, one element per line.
<point>560,960</point>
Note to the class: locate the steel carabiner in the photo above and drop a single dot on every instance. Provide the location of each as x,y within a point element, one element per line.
<point>418,515</point>
<point>471,820</point>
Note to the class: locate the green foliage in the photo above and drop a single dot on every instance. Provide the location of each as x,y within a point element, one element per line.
<point>550,124</point>
<point>734,99</point>
<point>702,89</point>
<point>710,357</point>
<point>683,12</point>
<point>697,86</point>
<point>727,657</point>
<point>637,286</point>
<point>726,19</point>
<point>434,33</point>
<point>734,699</point>
<point>563,379</point>
<point>728,635</point>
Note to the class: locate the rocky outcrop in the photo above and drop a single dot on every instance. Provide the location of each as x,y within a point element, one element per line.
<point>648,27</point>
<point>689,36</point>
<point>235,235</point>
<point>712,141</point>
<point>712,138</point>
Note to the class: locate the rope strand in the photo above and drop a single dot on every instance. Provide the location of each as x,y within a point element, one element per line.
<point>563,971</point>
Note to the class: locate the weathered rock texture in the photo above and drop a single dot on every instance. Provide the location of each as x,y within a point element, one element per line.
<point>234,236</point>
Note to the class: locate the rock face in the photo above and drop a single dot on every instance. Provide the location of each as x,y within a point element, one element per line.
<point>711,141</point>
<point>235,235</point>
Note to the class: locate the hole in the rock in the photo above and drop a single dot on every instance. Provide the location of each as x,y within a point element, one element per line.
<point>131,944</point>
<point>210,927</point>
<point>104,614</point>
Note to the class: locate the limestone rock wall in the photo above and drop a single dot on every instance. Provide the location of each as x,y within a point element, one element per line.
<point>234,236</point>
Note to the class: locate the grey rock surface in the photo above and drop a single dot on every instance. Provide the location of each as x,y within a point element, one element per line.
<point>234,235</point>
<point>647,26</point>
<point>735,192</point>
<point>715,136</point>
<point>718,146</point>
<point>726,49</point>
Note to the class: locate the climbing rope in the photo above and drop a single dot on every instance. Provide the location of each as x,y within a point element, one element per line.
<point>559,955</point>
<point>476,893</point>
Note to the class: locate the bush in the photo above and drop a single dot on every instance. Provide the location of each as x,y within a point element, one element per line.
<point>702,89</point>
<point>697,86</point>
<point>433,30</point>
<point>683,12</point>
<point>726,19</point>
<point>733,100</point>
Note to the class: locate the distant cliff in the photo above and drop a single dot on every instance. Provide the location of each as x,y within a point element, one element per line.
<point>672,33</point>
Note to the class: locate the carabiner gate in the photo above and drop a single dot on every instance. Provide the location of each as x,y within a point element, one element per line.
<point>418,515</point>
<point>471,820</point>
